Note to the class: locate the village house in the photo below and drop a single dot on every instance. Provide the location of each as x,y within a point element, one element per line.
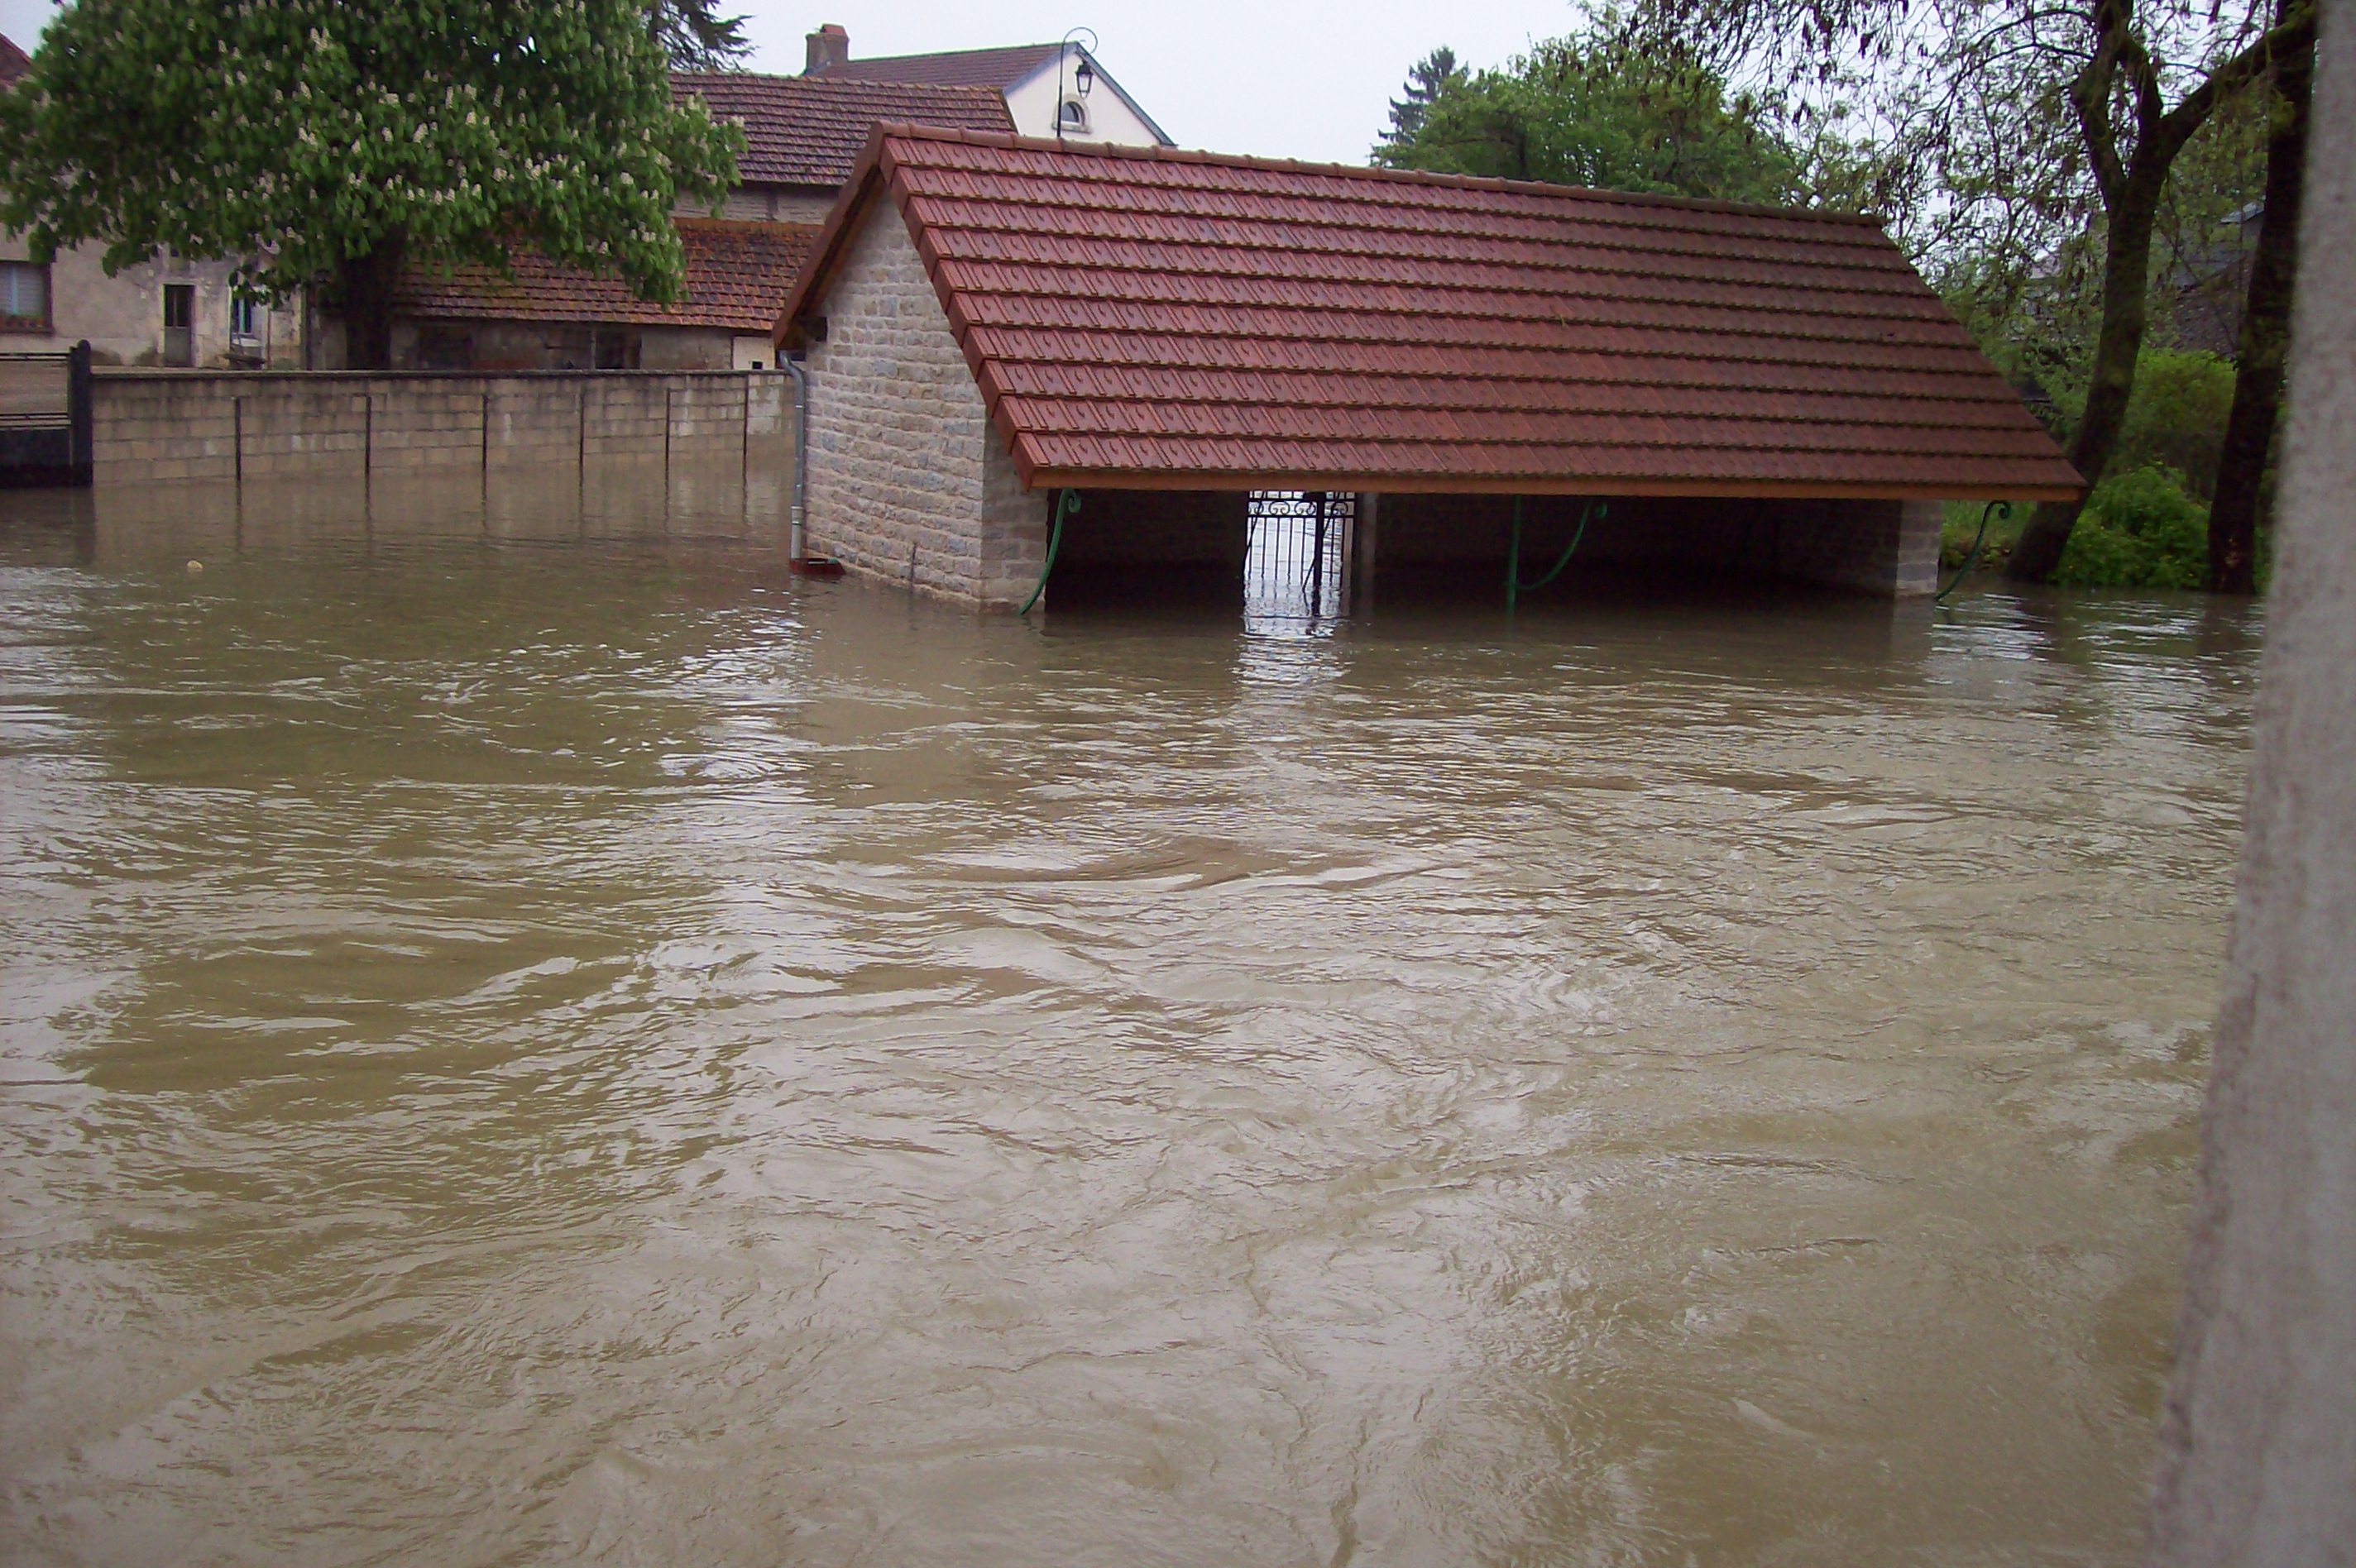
<point>167,311</point>
<point>802,137</point>
<point>1051,89</point>
<point>1489,371</point>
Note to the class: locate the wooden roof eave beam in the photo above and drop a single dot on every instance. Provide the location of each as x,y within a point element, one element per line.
<point>1601,484</point>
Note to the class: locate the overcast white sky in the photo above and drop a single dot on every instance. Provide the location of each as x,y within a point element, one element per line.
<point>1279,78</point>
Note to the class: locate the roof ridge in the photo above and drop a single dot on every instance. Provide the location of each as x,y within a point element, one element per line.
<point>828,84</point>
<point>1110,151</point>
<point>939,54</point>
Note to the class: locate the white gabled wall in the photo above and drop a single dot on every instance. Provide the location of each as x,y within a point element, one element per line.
<point>908,483</point>
<point>1032,101</point>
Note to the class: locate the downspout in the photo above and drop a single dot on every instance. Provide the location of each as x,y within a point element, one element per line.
<point>795,543</point>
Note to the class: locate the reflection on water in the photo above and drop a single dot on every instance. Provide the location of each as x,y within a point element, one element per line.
<point>531,1036</point>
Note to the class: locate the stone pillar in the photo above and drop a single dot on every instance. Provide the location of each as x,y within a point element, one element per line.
<point>1875,547</point>
<point>1365,543</point>
<point>2258,1462</point>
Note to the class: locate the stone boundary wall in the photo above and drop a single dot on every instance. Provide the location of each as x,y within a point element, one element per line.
<point>908,483</point>
<point>150,427</point>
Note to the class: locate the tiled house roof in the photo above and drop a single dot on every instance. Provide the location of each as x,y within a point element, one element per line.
<point>1143,317</point>
<point>1000,68</point>
<point>14,63</point>
<point>735,274</point>
<point>809,131</point>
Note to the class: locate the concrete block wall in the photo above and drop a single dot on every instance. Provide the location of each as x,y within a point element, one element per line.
<point>148,428</point>
<point>908,483</point>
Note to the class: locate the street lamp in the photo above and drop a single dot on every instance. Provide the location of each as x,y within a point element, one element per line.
<point>1085,79</point>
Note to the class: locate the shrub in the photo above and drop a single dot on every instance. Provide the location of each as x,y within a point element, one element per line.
<point>2139,529</point>
<point>2177,418</point>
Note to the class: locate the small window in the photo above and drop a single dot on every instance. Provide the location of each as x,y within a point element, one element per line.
<point>1076,114</point>
<point>24,297</point>
<point>245,319</point>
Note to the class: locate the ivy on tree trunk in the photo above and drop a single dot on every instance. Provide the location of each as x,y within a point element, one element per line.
<point>2265,335</point>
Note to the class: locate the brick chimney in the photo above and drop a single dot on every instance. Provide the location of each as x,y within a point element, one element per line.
<point>830,46</point>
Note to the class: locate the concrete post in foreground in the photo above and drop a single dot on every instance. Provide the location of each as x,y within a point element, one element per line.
<point>2259,1449</point>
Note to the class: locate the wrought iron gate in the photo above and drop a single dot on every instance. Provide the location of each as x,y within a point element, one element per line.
<point>1297,560</point>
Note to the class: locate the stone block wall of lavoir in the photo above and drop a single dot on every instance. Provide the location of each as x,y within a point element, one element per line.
<point>908,483</point>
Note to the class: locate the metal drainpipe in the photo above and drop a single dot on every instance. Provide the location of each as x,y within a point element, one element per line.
<point>795,543</point>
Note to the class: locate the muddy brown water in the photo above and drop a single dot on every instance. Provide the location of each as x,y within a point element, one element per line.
<point>544,1040</point>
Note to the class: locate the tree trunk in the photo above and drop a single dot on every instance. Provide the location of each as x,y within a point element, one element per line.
<point>2266,336</point>
<point>364,290</point>
<point>2127,276</point>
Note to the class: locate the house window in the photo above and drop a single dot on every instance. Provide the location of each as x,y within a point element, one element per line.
<point>179,324</point>
<point>24,297</point>
<point>245,320</point>
<point>1076,114</point>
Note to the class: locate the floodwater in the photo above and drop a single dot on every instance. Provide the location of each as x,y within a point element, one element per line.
<point>530,1039</point>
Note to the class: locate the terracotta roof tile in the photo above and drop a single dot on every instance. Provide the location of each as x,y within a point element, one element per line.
<point>14,63</point>
<point>734,273</point>
<point>802,130</point>
<point>1143,316</point>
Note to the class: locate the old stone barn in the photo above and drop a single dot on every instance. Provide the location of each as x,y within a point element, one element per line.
<point>1457,373</point>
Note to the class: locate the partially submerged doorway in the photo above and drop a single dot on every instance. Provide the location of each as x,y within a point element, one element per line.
<point>1300,546</point>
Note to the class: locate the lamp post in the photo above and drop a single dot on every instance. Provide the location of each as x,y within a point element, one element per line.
<point>1084,80</point>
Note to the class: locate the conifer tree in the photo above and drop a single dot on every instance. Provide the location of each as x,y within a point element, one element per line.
<point>1426,80</point>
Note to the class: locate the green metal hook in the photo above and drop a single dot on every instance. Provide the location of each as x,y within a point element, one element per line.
<point>1068,501</point>
<point>1514,586</point>
<point>2001,508</point>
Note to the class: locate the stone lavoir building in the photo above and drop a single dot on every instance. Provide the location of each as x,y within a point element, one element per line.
<point>988,320</point>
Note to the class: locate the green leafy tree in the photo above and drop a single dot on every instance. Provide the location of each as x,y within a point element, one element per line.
<point>2021,125</point>
<point>320,143</point>
<point>1590,109</point>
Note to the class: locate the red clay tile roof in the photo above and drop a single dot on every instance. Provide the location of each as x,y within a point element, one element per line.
<point>734,273</point>
<point>1148,318</point>
<point>999,67</point>
<point>14,63</point>
<point>803,130</point>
